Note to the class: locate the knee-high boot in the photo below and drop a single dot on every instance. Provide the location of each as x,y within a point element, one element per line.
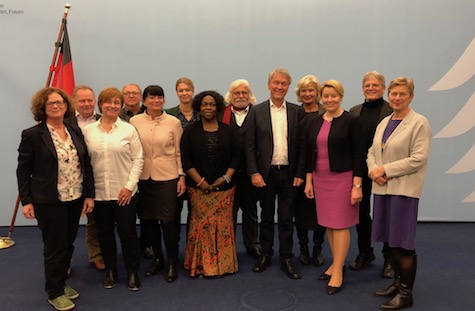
<point>392,289</point>
<point>403,298</point>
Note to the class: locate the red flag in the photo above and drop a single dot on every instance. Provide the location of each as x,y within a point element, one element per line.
<point>63,69</point>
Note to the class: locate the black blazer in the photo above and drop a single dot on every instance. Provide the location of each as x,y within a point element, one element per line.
<point>37,171</point>
<point>260,145</point>
<point>345,146</point>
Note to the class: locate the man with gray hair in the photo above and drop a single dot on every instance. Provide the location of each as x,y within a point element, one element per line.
<point>240,99</point>
<point>371,112</point>
<point>275,155</point>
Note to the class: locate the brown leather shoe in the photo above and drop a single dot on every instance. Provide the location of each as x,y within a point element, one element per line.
<point>98,265</point>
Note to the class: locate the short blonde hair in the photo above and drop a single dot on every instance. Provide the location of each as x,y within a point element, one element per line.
<point>305,82</point>
<point>376,75</point>
<point>402,81</point>
<point>334,84</point>
<point>281,71</point>
<point>235,84</point>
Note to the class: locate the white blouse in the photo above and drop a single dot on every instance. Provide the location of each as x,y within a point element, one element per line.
<point>116,158</point>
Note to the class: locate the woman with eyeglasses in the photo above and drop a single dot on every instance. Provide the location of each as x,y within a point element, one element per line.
<point>56,186</point>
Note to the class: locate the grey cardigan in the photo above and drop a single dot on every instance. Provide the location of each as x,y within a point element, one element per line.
<point>404,157</point>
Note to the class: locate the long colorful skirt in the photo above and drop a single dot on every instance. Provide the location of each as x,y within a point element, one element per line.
<point>211,245</point>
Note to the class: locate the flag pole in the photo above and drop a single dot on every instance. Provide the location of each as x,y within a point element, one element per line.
<point>6,242</point>
<point>67,6</point>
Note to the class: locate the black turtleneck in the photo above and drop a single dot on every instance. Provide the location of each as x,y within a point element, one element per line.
<point>369,119</point>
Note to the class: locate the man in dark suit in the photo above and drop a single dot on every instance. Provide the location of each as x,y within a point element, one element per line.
<point>85,114</point>
<point>240,99</point>
<point>275,154</point>
<point>371,112</point>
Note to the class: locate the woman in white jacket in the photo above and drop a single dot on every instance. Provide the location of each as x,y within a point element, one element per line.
<point>397,164</point>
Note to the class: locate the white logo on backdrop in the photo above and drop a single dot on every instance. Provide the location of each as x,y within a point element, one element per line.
<point>461,72</point>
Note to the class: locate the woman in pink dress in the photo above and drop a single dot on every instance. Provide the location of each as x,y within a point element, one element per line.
<point>334,175</point>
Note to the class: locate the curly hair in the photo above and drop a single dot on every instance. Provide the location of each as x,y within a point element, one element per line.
<point>218,98</point>
<point>38,103</point>
<point>235,84</point>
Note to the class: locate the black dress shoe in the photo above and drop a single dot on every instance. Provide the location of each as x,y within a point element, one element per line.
<point>288,267</point>
<point>147,252</point>
<point>171,274</point>
<point>133,282</point>
<point>110,280</point>
<point>157,264</point>
<point>262,263</point>
<point>362,261</point>
<point>254,252</point>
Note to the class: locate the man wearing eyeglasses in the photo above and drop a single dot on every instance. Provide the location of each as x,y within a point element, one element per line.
<point>240,99</point>
<point>132,98</point>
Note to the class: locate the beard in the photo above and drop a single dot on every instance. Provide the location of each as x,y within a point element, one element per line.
<point>241,104</point>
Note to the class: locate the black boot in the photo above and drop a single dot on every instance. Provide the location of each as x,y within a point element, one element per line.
<point>157,264</point>
<point>317,255</point>
<point>403,298</point>
<point>388,268</point>
<point>302,235</point>
<point>392,290</point>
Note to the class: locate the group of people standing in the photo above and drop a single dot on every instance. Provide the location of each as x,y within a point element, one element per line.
<point>318,162</point>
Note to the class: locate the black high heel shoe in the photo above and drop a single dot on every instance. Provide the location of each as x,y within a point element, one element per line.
<point>331,290</point>
<point>324,276</point>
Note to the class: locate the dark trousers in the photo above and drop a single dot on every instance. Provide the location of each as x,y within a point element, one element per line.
<point>108,214</point>
<point>179,208</point>
<point>278,185</point>
<point>153,230</point>
<point>59,226</point>
<point>364,226</point>
<point>245,197</point>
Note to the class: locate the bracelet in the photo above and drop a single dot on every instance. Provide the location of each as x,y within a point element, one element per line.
<point>201,181</point>
<point>227,178</point>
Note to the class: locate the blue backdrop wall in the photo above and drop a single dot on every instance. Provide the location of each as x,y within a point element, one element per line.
<point>214,42</point>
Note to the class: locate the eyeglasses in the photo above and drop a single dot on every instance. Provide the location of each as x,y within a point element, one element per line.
<point>243,93</point>
<point>59,103</point>
<point>131,93</point>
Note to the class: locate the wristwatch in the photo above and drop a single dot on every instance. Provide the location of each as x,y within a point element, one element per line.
<point>357,186</point>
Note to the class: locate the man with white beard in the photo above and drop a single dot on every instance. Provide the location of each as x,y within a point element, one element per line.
<point>240,100</point>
